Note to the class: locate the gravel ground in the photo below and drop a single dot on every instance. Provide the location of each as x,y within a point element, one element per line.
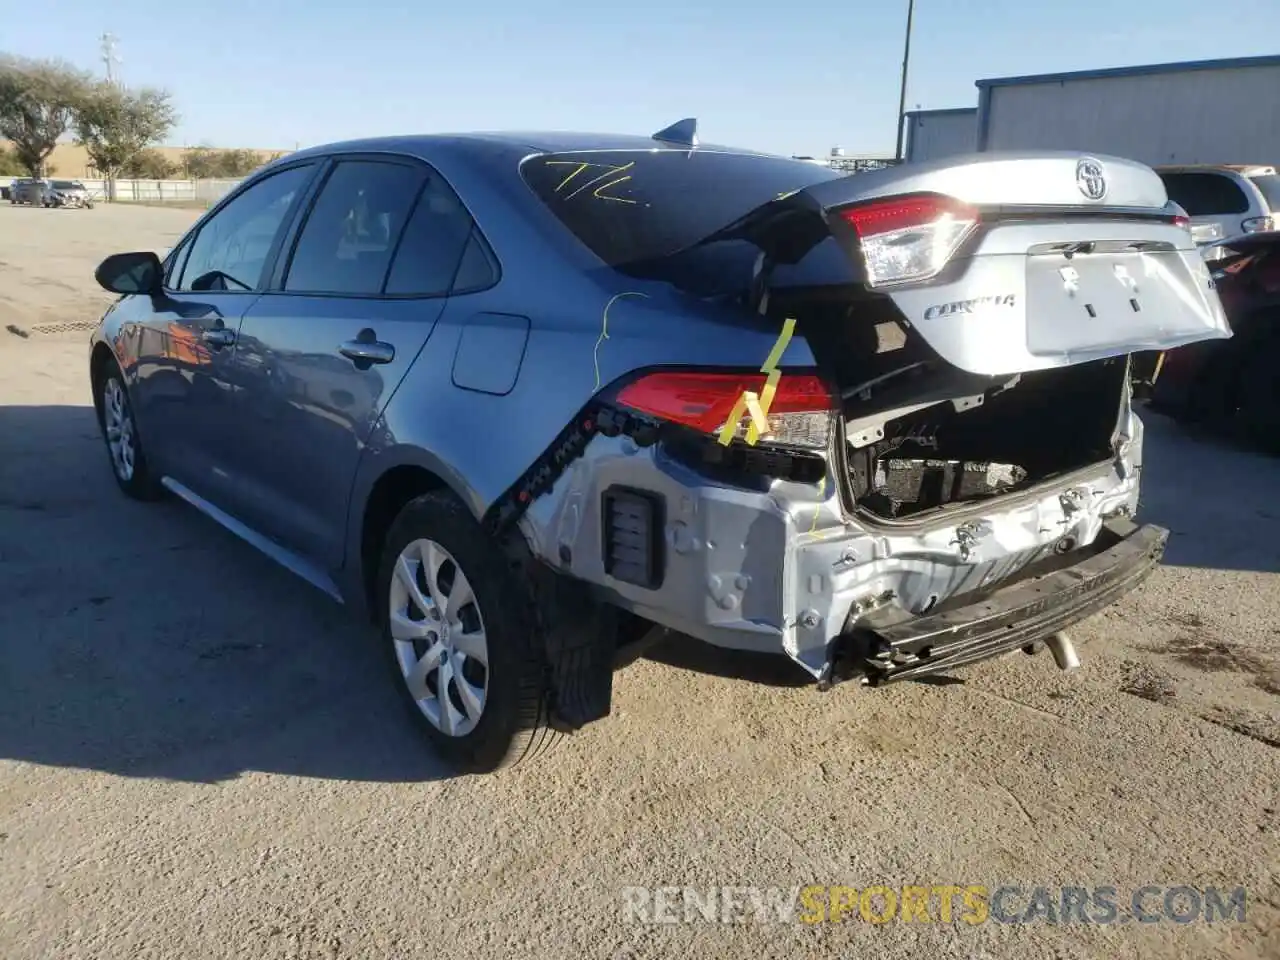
<point>200,756</point>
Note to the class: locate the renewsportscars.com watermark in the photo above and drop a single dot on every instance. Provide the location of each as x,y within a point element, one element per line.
<point>970,904</point>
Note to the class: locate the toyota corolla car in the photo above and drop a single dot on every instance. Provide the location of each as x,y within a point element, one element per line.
<point>527,399</point>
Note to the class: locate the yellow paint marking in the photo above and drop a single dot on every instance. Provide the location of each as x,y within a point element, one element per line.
<point>604,329</point>
<point>613,183</point>
<point>757,406</point>
<point>581,167</point>
<point>608,173</point>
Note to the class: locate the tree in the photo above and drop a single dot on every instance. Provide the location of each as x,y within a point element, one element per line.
<point>10,165</point>
<point>239,163</point>
<point>115,125</point>
<point>200,162</point>
<point>149,165</point>
<point>38,103</point>
<point>207,163</point>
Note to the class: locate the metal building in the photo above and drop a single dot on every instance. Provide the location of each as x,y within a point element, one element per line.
<point>940,133</point>
<point>1209,111</point>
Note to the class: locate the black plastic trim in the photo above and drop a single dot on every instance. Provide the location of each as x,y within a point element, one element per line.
<point>1011,617</point>
<point>652,510</point>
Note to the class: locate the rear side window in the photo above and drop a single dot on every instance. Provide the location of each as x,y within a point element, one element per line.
<point>346,243</point>
<point>433,243</point>
<point>1205,194</point>
<point>629,206</point>
<point>1270,187</point>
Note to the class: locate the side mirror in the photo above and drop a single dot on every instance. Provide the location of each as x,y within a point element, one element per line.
<point>131,273</point>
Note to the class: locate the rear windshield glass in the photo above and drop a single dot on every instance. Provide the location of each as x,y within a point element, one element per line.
<point>630,206</point>
<point>65,184</point>
<point>1270,187</point>
<point>1205,194</point>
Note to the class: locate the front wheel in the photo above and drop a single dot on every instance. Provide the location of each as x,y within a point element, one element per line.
<point>456,624</point>
<point>120,432</point>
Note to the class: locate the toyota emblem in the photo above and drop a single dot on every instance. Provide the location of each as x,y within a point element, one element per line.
<point>1090,179</point>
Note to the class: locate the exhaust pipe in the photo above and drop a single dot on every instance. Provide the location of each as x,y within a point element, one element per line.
<point>1063,650</point>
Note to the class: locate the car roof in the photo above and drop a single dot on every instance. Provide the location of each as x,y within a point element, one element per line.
<point>532,141</point>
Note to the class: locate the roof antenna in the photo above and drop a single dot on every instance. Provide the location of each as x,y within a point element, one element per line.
<point>683,133</point>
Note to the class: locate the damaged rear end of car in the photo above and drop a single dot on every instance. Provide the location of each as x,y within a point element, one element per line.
<point>937,463</point>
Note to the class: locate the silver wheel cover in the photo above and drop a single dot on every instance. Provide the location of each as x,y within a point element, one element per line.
<point>439,637</point>
<point>119,429</point>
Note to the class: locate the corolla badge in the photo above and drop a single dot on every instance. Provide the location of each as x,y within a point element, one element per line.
<point>1090,178</point>
<point>976,305</point>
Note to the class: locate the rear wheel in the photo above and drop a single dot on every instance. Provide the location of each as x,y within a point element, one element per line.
<point>120,432</point>
<point>456,624</point>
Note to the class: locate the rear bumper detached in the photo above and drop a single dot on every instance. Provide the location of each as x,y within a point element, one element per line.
<point>1006,619</point>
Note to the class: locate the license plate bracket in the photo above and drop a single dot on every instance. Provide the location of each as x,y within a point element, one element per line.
<point>1097,301</point>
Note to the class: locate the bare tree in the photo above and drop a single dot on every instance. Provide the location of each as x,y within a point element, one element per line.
<point>116,125</point>
<point>38,102</point>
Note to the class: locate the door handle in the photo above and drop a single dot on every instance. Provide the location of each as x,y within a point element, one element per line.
<point>368,350</point>
<point>219,337</point>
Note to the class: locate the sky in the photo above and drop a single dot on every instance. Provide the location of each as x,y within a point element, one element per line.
<point>793,78</point>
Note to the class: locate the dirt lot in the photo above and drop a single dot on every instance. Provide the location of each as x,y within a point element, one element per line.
<point>200,756</point>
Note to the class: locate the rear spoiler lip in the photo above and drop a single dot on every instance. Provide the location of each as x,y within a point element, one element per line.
<point>806,217</point>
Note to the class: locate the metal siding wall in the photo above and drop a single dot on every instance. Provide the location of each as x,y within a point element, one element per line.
<point>1204,116</point>
<point>941,134</point>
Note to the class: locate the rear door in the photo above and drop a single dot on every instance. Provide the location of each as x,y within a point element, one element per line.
<point>351,305</point>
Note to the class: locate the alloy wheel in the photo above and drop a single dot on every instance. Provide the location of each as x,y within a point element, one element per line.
<point>119,429</point>
<point>439,637</point>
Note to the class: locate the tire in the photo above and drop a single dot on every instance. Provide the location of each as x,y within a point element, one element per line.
<point>509,681</point>
<point>1258,413</point>
<point>119,430</point>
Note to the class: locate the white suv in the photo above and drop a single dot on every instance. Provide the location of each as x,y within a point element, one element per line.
<point>1225,201</point>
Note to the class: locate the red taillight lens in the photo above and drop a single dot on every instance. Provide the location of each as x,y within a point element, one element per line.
<point>801,413</point>
<point>900,213</point>
<point>1181,221</point>
<point>911,238</point>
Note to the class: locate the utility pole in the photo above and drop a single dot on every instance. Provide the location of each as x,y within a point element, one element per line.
<point>902,95</point>
<point>109,57</point>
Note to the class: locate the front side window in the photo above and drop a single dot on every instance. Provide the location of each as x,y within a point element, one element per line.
<point>230,251</point>
<point>348,238</point>
<point>631,206</point>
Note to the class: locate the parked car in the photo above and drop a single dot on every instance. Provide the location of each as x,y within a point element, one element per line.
<point>68,193</point>
<point>24,190</point>
<point>1234,385</point>
<point>530,400</point>
<point>1225,201</point>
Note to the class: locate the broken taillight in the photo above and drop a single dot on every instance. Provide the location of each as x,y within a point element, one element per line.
<point>909,238</point>
<point>801,415</point>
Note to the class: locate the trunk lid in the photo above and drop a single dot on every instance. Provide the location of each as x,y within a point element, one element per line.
<point>1069,258</point>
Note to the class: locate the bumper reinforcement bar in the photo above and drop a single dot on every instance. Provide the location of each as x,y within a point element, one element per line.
<point>1009,618</point>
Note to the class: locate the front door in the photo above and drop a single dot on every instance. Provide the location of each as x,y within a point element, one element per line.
<point>186,388</point>
<point>367,278</point>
